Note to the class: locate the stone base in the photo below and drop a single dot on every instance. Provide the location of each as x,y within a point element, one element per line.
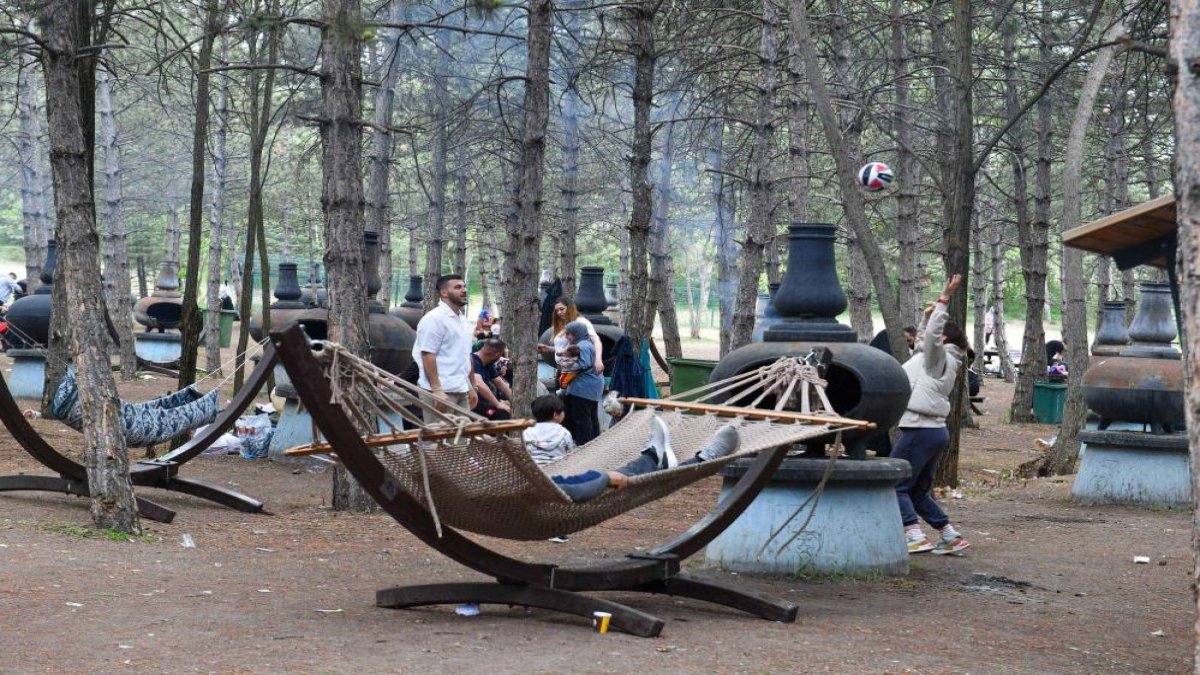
<point>294,428</point>
<point>1129,467</point>
<point>158,347</point>
<point>28,373</point>
<point>855,528</point>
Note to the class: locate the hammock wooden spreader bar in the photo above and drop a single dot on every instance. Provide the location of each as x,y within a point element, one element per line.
<point>748,413</point>
<point>415,435</point>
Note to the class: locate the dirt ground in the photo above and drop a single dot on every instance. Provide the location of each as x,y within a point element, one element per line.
<point>1047,586</point>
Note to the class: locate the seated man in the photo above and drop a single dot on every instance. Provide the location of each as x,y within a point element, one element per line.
<point>657,456</point>
<point>493,390</point>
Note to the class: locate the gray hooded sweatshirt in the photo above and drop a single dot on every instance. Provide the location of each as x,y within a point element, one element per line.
<point>931,373</point>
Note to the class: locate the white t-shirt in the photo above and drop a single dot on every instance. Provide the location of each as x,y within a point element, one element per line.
<point>446,334</point>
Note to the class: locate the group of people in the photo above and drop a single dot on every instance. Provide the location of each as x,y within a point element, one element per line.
<point>465,365</point>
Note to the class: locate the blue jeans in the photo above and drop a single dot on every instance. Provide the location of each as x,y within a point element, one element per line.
<point>922,447</point>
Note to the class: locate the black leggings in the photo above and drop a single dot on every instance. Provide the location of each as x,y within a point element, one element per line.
<point>581,418</point>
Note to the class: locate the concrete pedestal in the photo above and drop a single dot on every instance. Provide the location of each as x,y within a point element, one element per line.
<point>855,526</point>
<point>158,347</point>
<point>294,428</point>
<point>28,373</point>
<point>1130,467</point>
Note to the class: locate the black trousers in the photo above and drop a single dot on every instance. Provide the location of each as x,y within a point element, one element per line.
<point>581,418</point>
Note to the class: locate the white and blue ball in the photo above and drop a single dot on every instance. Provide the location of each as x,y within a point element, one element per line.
<point>875,176</point>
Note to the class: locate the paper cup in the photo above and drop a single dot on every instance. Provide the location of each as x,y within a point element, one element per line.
<point>600,621</point>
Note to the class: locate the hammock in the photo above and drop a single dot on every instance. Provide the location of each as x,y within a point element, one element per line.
<point>146,423</point>
<point>489,484</point>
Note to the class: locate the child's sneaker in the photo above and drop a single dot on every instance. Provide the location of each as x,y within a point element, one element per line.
<point>918,542</point>
<point>660,442</point>
<point>559,539</point>
<point>950,546</point>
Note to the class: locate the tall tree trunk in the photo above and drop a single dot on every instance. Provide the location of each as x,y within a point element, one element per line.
<point>440,132</point>
<point>1031,232</point>
<point>638,314</point>
<point>858,290</point>
<point>908,175</point>
<point>723,233</point>
<point>31,155</point>
<point>1060,458</point>
<point>377,214</point>
<point>260,98</point>
<point>67,27</point>
<point>521,280</point>
<point>662,266</point>
<point>853,205</point>
<point>212,295</point>
<point>116,255</point>
<point>342,198</point>
<point>759,234</point>
<point>999,335</point>
<point>570,157</point>
<point>959,181</point>
<point>1183,50</point>
<point>460,210</point>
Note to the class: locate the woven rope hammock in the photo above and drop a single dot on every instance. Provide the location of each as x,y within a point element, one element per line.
<point>472,477</point>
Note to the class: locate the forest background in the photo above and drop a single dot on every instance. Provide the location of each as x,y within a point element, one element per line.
<point>674,143</point>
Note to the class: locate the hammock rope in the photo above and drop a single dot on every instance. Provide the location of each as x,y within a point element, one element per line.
<point>486,482</point>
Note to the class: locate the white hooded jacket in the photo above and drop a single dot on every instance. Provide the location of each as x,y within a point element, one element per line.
<point>931,372</point>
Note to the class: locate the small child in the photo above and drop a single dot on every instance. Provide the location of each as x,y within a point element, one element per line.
<point>567,360</point>
<point>548,440</point>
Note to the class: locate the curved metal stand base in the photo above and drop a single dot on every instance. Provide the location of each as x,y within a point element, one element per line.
<point>67,486</point>
<point>213,493</point>
<point>623,618</point>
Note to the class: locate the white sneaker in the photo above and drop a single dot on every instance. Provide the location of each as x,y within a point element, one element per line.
<point>660,440</point>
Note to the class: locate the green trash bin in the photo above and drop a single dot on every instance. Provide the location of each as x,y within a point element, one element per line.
<point>689,373</point>
<point>226,327</point>
<point>1048,400</point>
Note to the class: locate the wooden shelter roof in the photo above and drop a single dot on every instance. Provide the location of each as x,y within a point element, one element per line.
<point>1141,235</point>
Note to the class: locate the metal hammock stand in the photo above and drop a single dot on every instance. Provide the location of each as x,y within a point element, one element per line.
<point>434,488</point>
<point>161,472</point>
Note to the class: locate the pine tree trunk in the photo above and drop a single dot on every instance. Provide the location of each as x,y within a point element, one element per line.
<point>342,199</point>
<point>67,29</point>
<point>212,295</point>
<point>638,316</point>
<point>853,205</point>
<point>520,283</point>
<point>570,160</point>
<point>31,155</point>
<point>999,336</point>
<point>959,181</point>
<point>460,212</point>
<point>908,175</point>
<point>858,291</point>
<point>116,255</point>
<point>1060,458</point>
<point>260,97</point>
<point>377,213</point>
<point>662,267</point>
<point>1031,232</point>
<point>1184,49</point>
<point>434,243</point>
<point>759,232</point>
<point>723,234</point>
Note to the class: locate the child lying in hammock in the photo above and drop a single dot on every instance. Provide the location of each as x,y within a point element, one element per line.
<point>540,440</point>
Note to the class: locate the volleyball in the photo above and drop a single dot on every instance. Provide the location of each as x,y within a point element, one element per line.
<point>875,176</point>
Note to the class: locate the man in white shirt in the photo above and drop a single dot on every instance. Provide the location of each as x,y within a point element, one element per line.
<point>443,347</point>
